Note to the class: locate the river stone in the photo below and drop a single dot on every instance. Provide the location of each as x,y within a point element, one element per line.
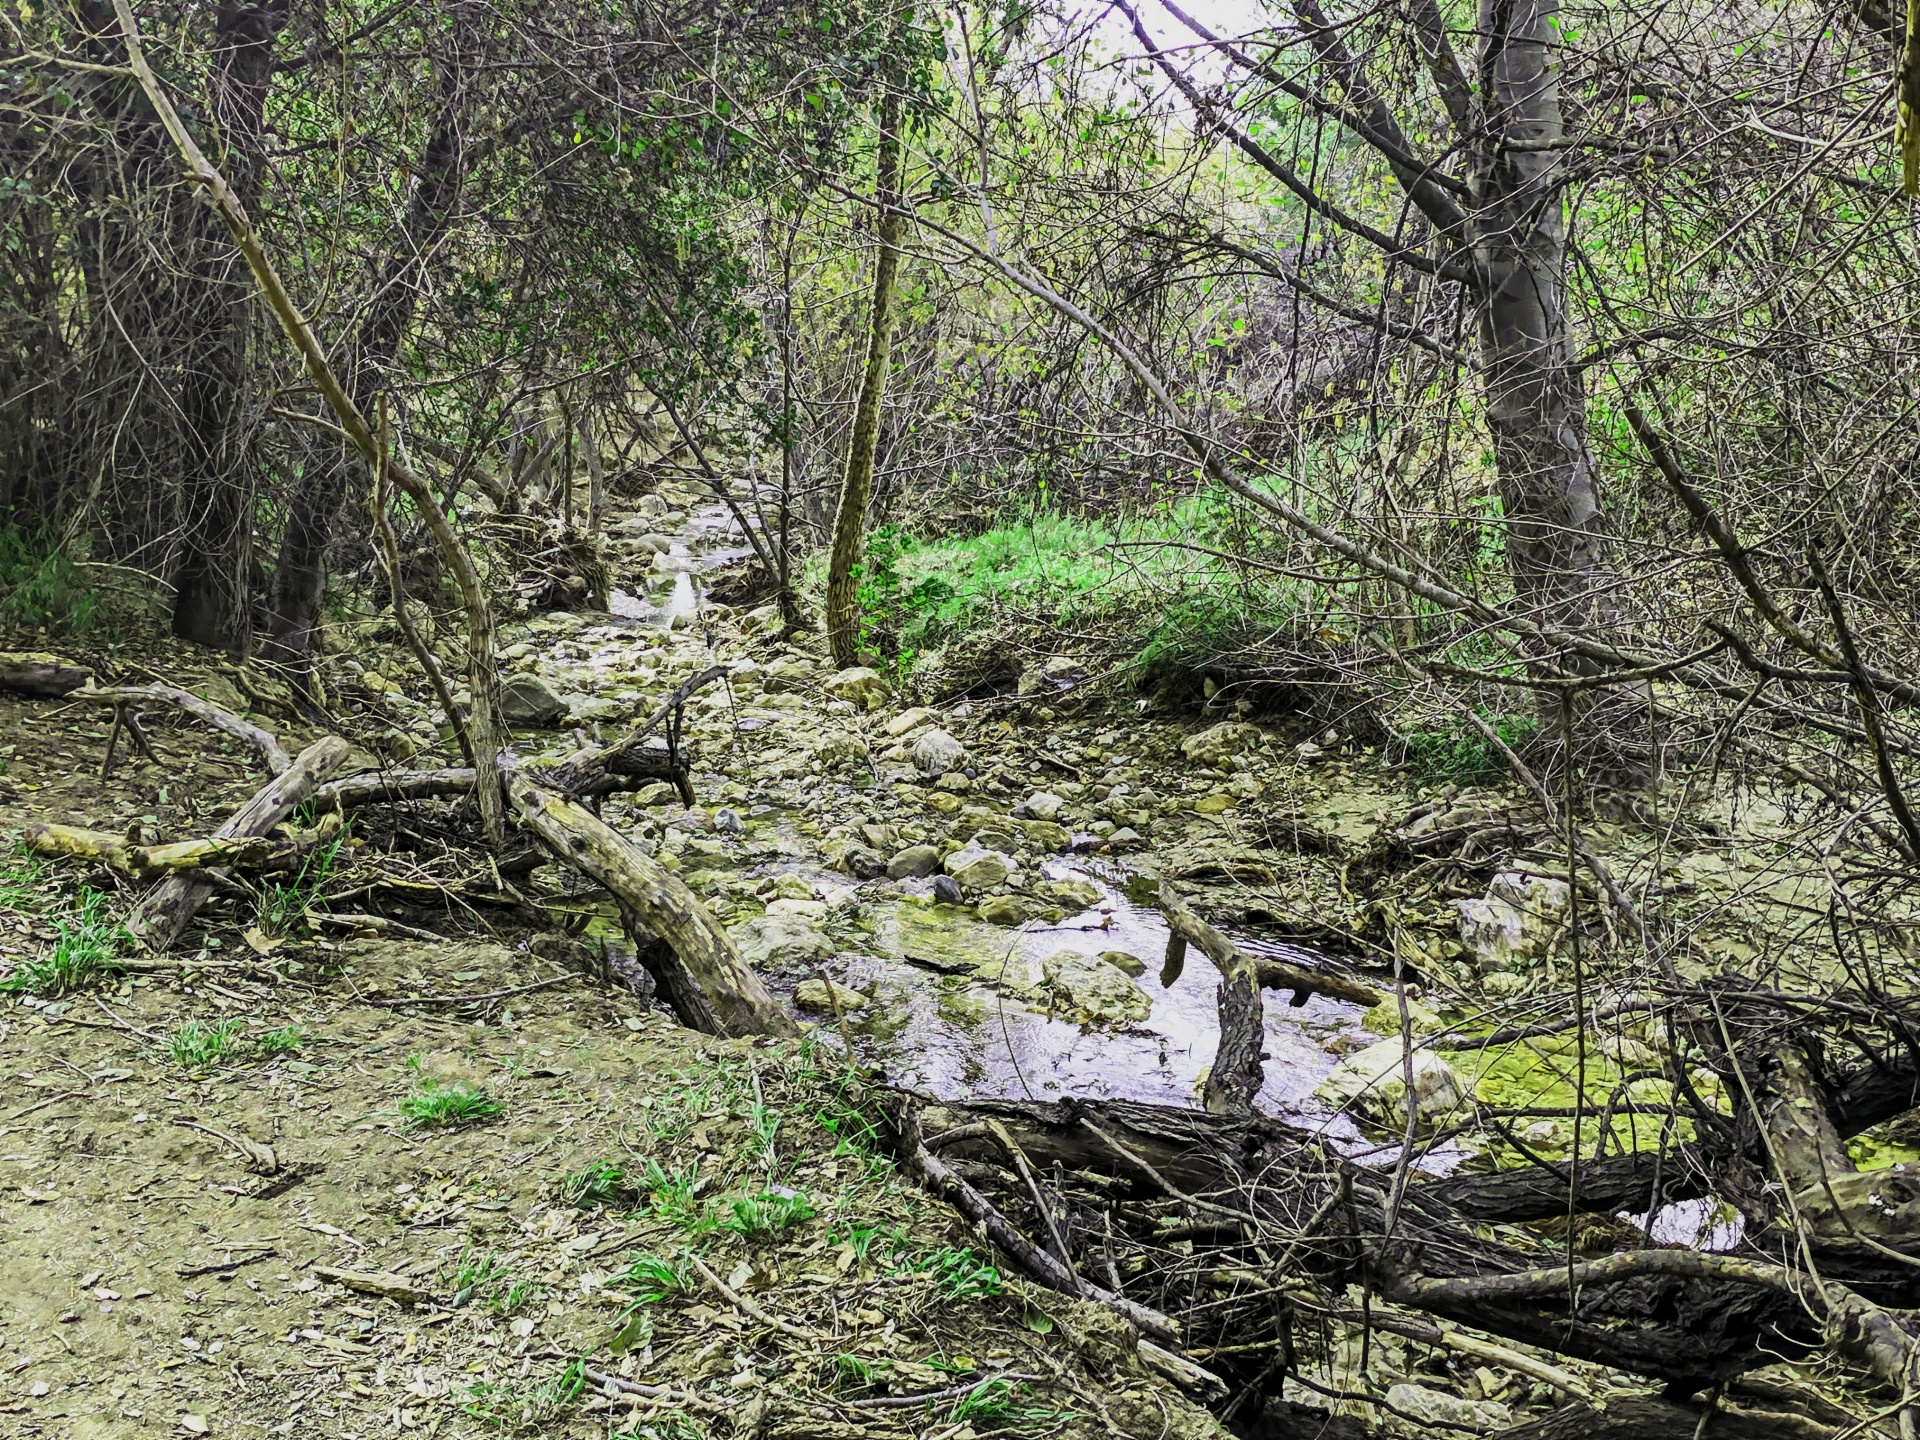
<point>1003,910</point>
<point>814,995</point>
<point>1094,992</point>
<point>936,753</point>
<point>1042,805</point>
<point>1126,963</point>
<point>839,747</point>
<point>908,720</point>
<point>728,821</point>
<point>1373,1082</point>
<point>1045,835</point>
<point>955,781</point>
<point>863,862</point>
<point>1073,892</point>
<point>1215,804</point>
<point>944,804</point>
<point>913,862</point>
<point>652,507</point>
<point>1124,838</point>
<point>1516,923</point>
<point>1430,1407</point>
<point>769,941</point>
<point>1219,744</point>
<point>946,890</point>
<point>527,700</point>
<point>788,673</point>
<point>858,684</point>
<point>975,868</point>
<point>997,836</point>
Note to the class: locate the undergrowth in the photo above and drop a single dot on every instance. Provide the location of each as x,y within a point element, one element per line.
<point>40,585</point>
<point>1458,754</point>
<point>86,944</point>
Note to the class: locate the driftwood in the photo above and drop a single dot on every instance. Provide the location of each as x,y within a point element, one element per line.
<point>261,742</point>
<point>170,906</point>
<point>704,978</point>
<point>600,769</point>
<point>33,672</point>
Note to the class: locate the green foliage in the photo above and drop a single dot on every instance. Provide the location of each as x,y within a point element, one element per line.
<point>284,1041</point>
<point>473,1272</point>
<point>959,1275</point>
<point>85,946</point>
<point>649,1278</point>
<point>518,1293</point>
<point>526,1408</point>
<point>770,1211</point>
<point>602,1183</point>
<point>441,1103</point>
<point>284,904</point>
<point>200,1047</point>
<point>41,586</point>
<point>991,1402</point>
<point>1458,754</point>
<point>891,607</point>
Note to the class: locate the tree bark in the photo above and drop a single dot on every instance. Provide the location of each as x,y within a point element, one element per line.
<point>849,521</point>
<point>710,986</point>
<point>212,605</point>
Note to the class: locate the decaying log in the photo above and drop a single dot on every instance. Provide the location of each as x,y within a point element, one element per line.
<point>710,987</point>
<point>170,906</point>
<point>34,672</point>
<point>603,768</point>
<point>280,851</point>
<point>261,742</point>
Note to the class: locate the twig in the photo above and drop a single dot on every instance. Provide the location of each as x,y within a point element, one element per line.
<point>742,1303</point>
<point>396,1001</point>
<point>120,1024</point>
<point>188,1274</point>
<point>952,1392</point>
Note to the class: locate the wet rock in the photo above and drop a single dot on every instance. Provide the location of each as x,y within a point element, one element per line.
<point>1384,1018</point>
<point>1221,744</point>
<point>814,995</point>
<point>938,753</point>
<point>1003,910</point>
<point>946,890</point>
<point>859,685</point>
<point>997,836</point>
<point>942,803</point>
<point>913,862</point>
<point>1044,835</point>
<point>769,941</point>
<point>728,821</point>
<point>651,507</point>
<point>1430,1407</point>
<point>1125,838</point>
<point>863,862</point>
<point>975,868</point>
<point>527,700</point>
<point>1042,805</point>
<point>1373,1082</point>
<point>791,887</point>
<point>1125,962</point>
<point>1518,921</point>
<point>1092,991</point>
<point>1073,892</point>
<point>808,910</point>
<point>910,720</point>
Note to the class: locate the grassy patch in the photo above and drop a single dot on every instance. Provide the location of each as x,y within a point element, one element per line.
<point>435,1104</point>
<point>284,904</point>
<point>650,1277</point>
<point>284,1041</point>
<point>959,1275</point>
<point>201,1047</point>
<point>604,1183</point>
<point>1458,754</point>
<point>40,585</point>
<point>526,1407</point>
<point>754,1216</point>
<point>86,945</point>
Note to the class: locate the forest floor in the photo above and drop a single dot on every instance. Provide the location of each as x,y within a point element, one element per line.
<point>468,1097</point>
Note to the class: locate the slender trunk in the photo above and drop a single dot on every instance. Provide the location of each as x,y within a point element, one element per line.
<point>1557,546</point>
<point>300,573</point>
<point>212,604</point>
<point>849,523</point>
<point>596,474</point>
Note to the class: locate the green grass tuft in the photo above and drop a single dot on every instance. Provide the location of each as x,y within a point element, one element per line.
<point>200,1047</point>
<point>85,948</point>
<point>521,1407</point>
<point>284,1041</point>
<point>752,1216</point>
<point>440,1103</point>
<point>1458,754</point>
<point>604,1183</point>
<point>649,1278</point>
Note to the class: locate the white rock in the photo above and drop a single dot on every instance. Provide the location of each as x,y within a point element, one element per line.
<point>858,684</point>
<point>937,752</point>
<point>1092,990</point>
<point>1517,922</point>
<point>814,995</point>
<point>910,720</point>
<point>1219,744</point>
<point>1373,1081</point>
<point>772,940</point>
<point>1042,805</point>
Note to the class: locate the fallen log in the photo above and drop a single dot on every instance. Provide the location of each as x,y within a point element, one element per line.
<point>34,672</point>
<point>709,986</point>
<point>382,787</point>
<point>169,907</point>
<point>281,851</point>
<point>261,742</point>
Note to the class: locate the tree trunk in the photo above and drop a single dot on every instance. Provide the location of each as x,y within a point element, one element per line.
<point>212,605</point>
<point>1557,546</point>
<point>300,573</point>
<point>849,522</point>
